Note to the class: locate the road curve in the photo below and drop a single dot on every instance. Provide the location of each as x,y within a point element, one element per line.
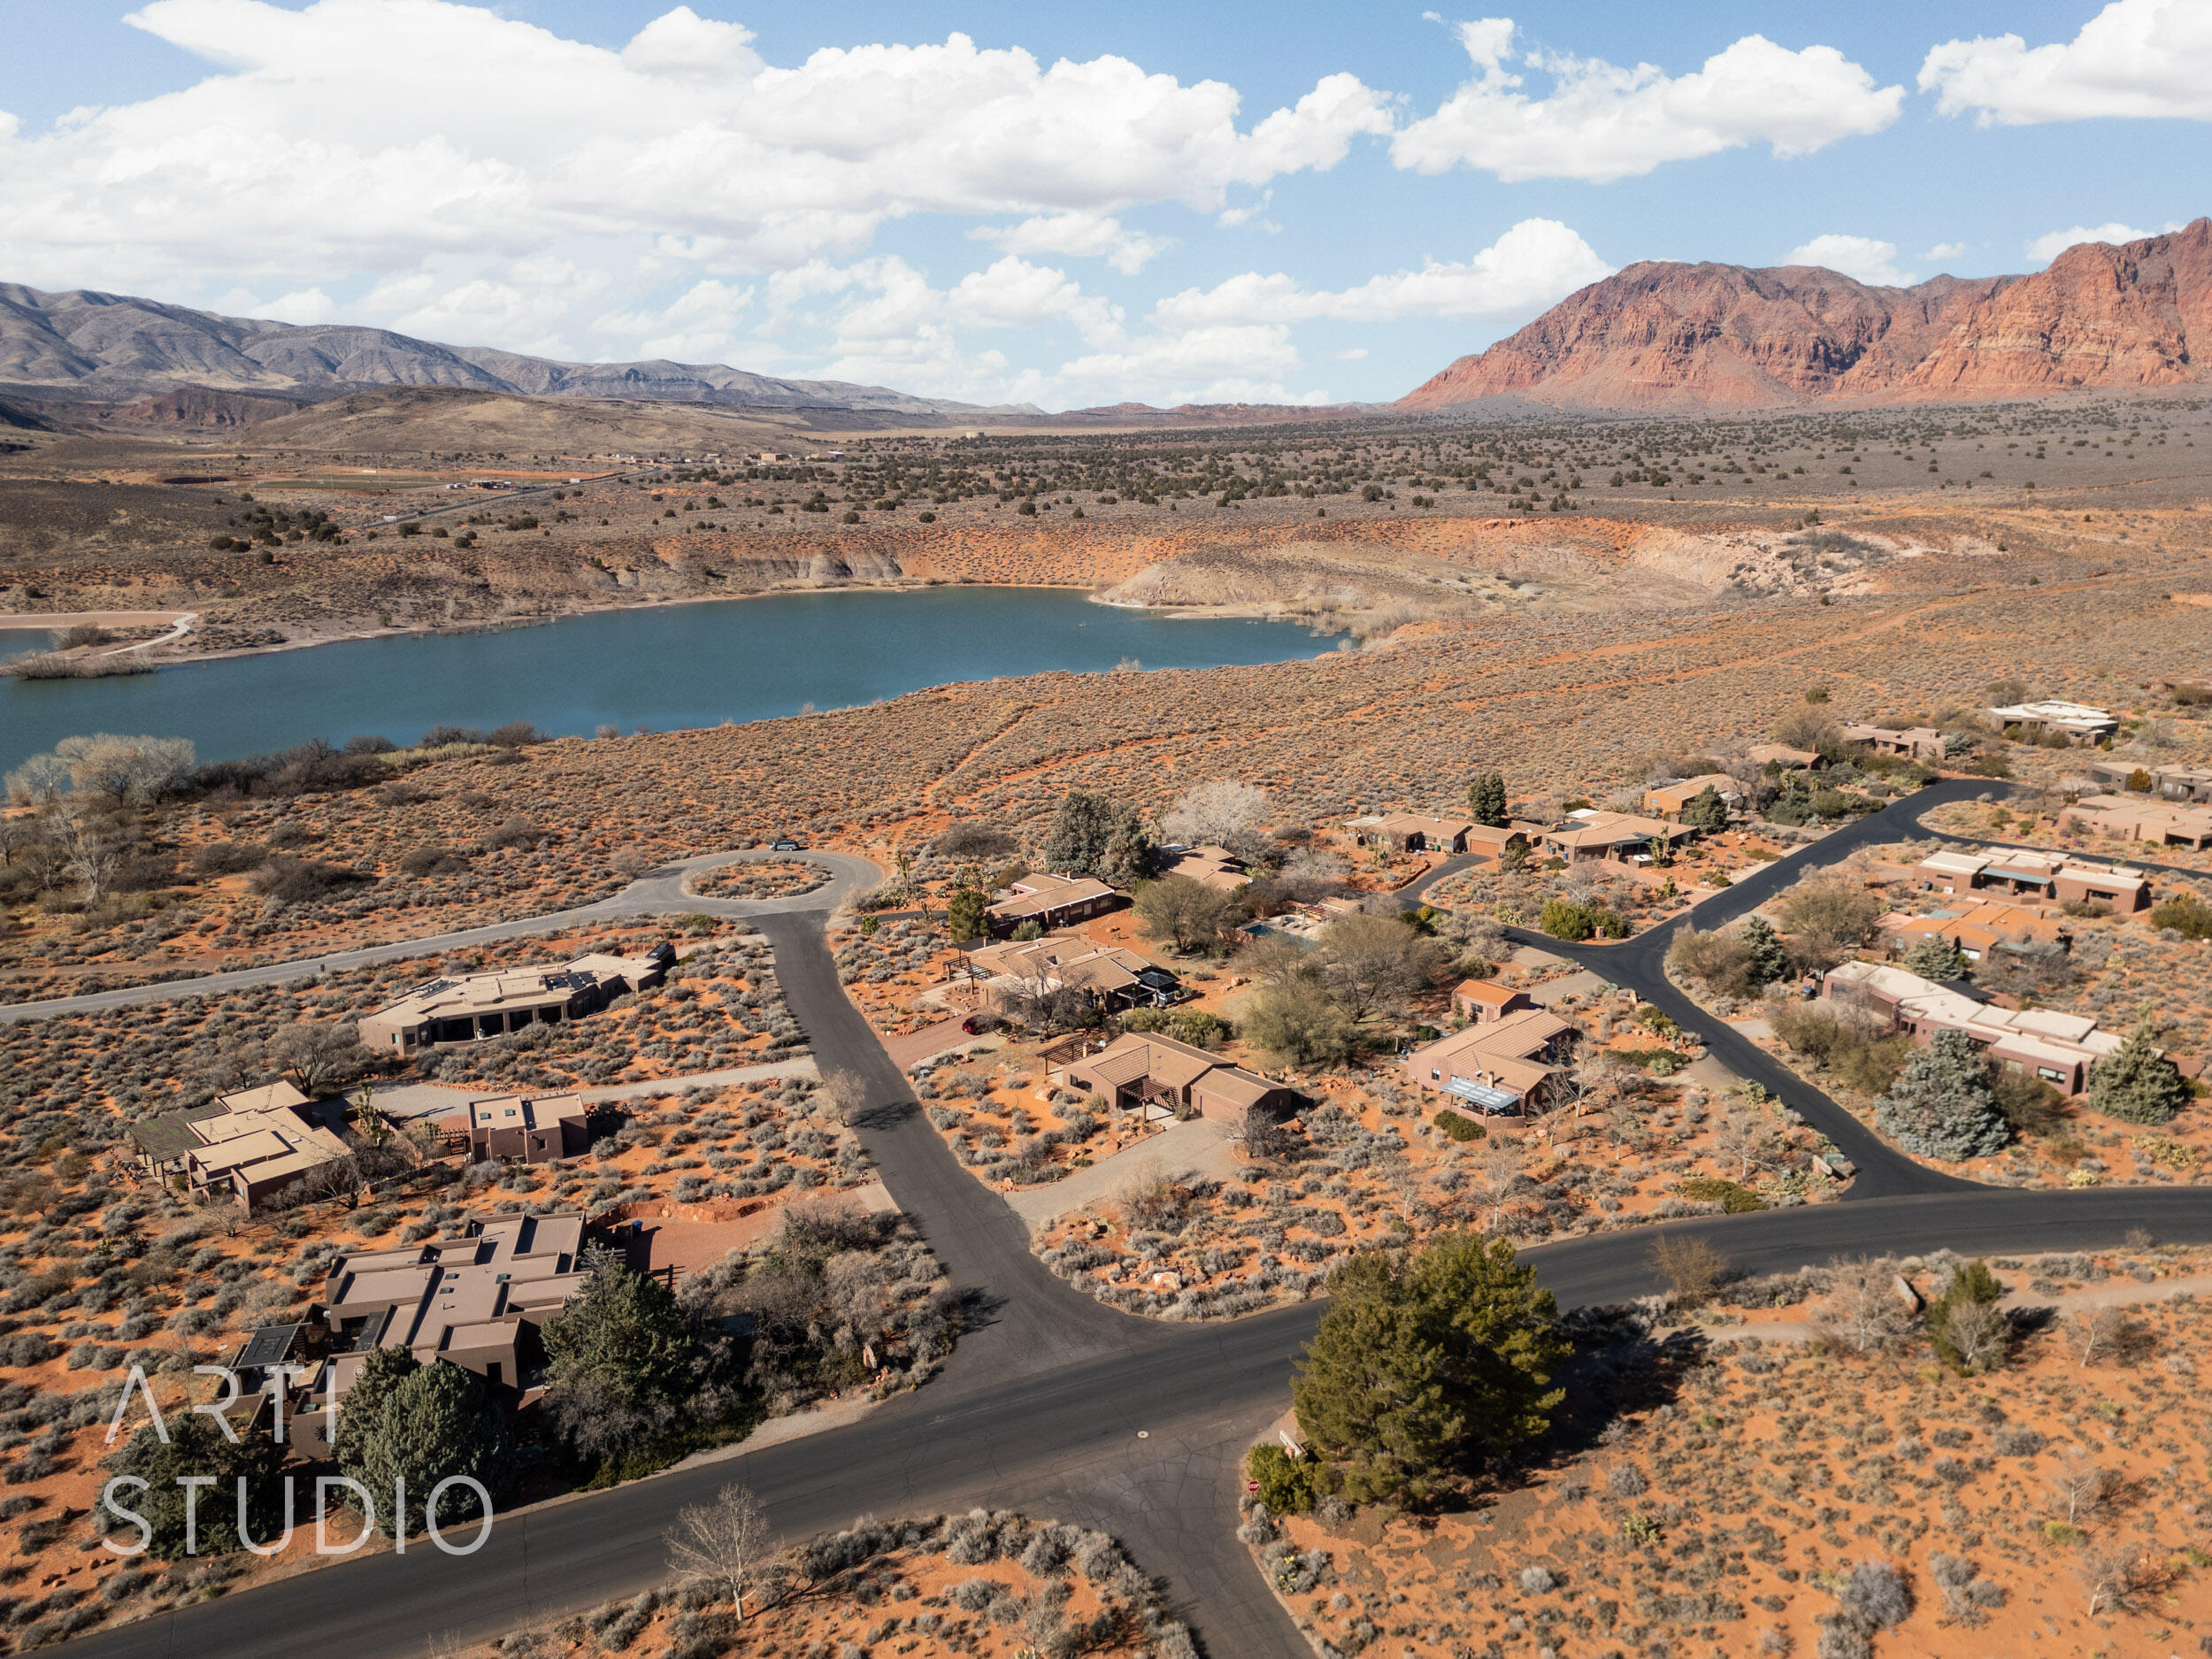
<point>1057,1405</point>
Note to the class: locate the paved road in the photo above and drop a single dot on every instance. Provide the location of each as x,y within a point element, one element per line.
<point>1058,1406</point>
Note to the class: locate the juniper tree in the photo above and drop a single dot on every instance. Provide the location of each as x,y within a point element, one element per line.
<point>1485,799</point>
<point>1941,1105</point>
<point>1768,961</point>
<point>434,1423</point>
<point>2136,1084</point>
<point>1094,835</point>
<point>1935,958</point>
<point>1706,810</point>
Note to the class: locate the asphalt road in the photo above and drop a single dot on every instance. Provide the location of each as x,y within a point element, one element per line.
<point>1057,1406</point>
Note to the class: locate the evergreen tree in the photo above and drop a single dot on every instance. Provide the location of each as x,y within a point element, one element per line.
<point>2136,1084</point>
<point>434,1422</point>
<point>1935,958</point>
<point>1094,835</point>
<point>198,1446</point>
<point>622,1358</point>
<point>358,1412</point>
<point>1422,1361</point>
<point>1961,1340</point>
<point>967,915</point>
<point>1485,799</point>
<point>1706,810</point>
<point>1942,1106</point>
<point>1768,961</point>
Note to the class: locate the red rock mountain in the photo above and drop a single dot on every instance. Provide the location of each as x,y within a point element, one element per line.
<point>1662,337</point>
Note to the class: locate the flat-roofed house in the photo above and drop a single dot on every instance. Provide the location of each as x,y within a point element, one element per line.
<point>1667,800</point>
<point>1619,837</point>
<point>2077,722</point>
<point>1112,976</point>
<point>1978,929</point>
<point>2140,817</point>
<point>469,1007</point>
<point>472,1302</point>
<point>2056,878</point>
<point>530,1128</point>
<point>1914,742</point>
<point>1411,832</point>
<point>1052,902</point>
<point>1215,867</point>
<point>257,1143</point>
<point>1482,1001</point>
<point>1503,1067</point>
<point>1145,1068</point>
<point>2060,1049</point>
<point>1783,756</point>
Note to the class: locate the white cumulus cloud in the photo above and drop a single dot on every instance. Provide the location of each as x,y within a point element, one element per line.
<point>1601,122</point>
<point>1077,236</point>
<point>1536,262</point>
<point>1945,250</point>
<point>1861,257</point>
<point>2043,249</point>
<point>2135,58</point>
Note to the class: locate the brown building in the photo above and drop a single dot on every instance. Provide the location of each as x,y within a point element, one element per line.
<point>1914,743</point>
<point>1483,1000</point>
<point>1616,837</point>
<point>2057,878</point>
<point>473,1301</point>
<point>2140,817</point>
<point>257,1143</point>
<point>1021,970</point>
<point>1411,832</point>
<point>1144,1069</point>
<point>1490,841</point>
<point>2075,722</point>
<point>1503,1067</point>
<point>1052,902</point>
<point>2060,1049</point>
<point>2187,785</point>
<point>1215,867</point>
<point>1978,929</point>
<point>469,1006</point>
<point>1667,800</point>
<point>1783,756</point>
<point>528,1128</point>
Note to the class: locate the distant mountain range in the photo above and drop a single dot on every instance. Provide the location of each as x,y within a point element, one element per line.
<point>112,348</point>
<point>1660,336</point>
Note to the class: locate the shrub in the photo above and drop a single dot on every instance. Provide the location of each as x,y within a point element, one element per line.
<point>1288,1485</point>
<point>1457,1127</point>
<point>1711,1189</point>
<point>1836,1041</point>
<point>2185,914</point>
<point>2136,1084</point>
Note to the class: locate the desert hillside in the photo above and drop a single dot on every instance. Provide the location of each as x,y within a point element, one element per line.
<point>1659,335</point>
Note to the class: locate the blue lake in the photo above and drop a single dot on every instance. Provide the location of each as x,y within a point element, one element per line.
<point>662,667</point>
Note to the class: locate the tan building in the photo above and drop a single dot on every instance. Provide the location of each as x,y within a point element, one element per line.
<point>2077,722</point>
<point>256,1144</point>
<point>1619,837</point>
<point>1914,742</point>
<point>1483,1000</point>
<point>1667,800</point>
<point>472,1302</point>
<point>469,1006</point>
<point>2140,817</point>
<point>1783,756</point>
<point>2184,784</point>
<point>1981,929</point>
<point>1411,832</point>
<point>2056,877</point>
<point>1052,902</point>
<point>528,1128</point>
<point>1215,867</point>
<point>1145,1068</point>
<point>1020,970</point>
<point>2060,1049</point>
<point>1490,841</point>
<point>1503,1067</point>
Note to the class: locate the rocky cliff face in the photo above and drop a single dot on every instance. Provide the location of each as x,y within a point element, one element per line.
<point>1665,336</point>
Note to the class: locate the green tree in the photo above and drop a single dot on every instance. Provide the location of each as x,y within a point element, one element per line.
<point>1485,799</point>
<point>1563,918</point>
<point>1370,962</point>
<point>1767,961</point>
<point>1964,1324</point>
<point>1424,1361</point>
<point>359,1411</point>
<point>1706,810</point>
<point>1095,835</point>
<point>967,915</point>
<point>1942,1106</point>
<point>2136,1084</point>
<point>622,1357</point>
<point>1299,1024</point>
<point>1187,913</point>
<point>1935,958</point>
<point>435,1422</point>
<point>198,1446</point>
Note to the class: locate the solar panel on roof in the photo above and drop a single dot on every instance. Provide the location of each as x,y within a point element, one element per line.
<point>1491,1100</point>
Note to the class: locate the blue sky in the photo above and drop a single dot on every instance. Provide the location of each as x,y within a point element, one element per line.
<point>611,181</point>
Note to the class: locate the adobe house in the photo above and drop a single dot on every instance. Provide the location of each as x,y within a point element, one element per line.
<point>2183,784</point>
<point>2140,817</point>
<point>1145,1068</point>
<point>530,1128</point>
<point>469,1007</point>
<point>1614,837</point>
<point>1782,756</point>
<point>2077,722</point>
<point>257,1143</point>
<point>1981,929</point>
<point>1480,1001</point>
<point>1051,901</point>
<point>1491,840</point>
<point>1913,743</point>
<point>1411,832</point>
<point>473,1301</point>
<point>1668,800</point>
<point>2060,1048</point>
<point>1503,1067</point>
<point>1109,975</point>
<point>1215,867</point>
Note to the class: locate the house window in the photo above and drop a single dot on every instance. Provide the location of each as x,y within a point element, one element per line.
<point>2050,1074</point>
<point>1434,1074</point>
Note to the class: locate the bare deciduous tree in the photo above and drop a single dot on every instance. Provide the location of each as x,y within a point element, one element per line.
<point>846,1097</point>
<point>1499,1166</point>
<point>1691,1266</point>
<point>2080,1486</point>
<point>2112,1573</point>
<point>1981,1331</point>
<point>1218,812</point>
<point>2096,1333</point>
<point>1747,1139</point>
<point>317,1056</point>
<point>1862,1311</point>
<point>724,1545</point>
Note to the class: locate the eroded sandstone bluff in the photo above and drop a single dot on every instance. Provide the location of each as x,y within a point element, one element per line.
<point>1663,335</point>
